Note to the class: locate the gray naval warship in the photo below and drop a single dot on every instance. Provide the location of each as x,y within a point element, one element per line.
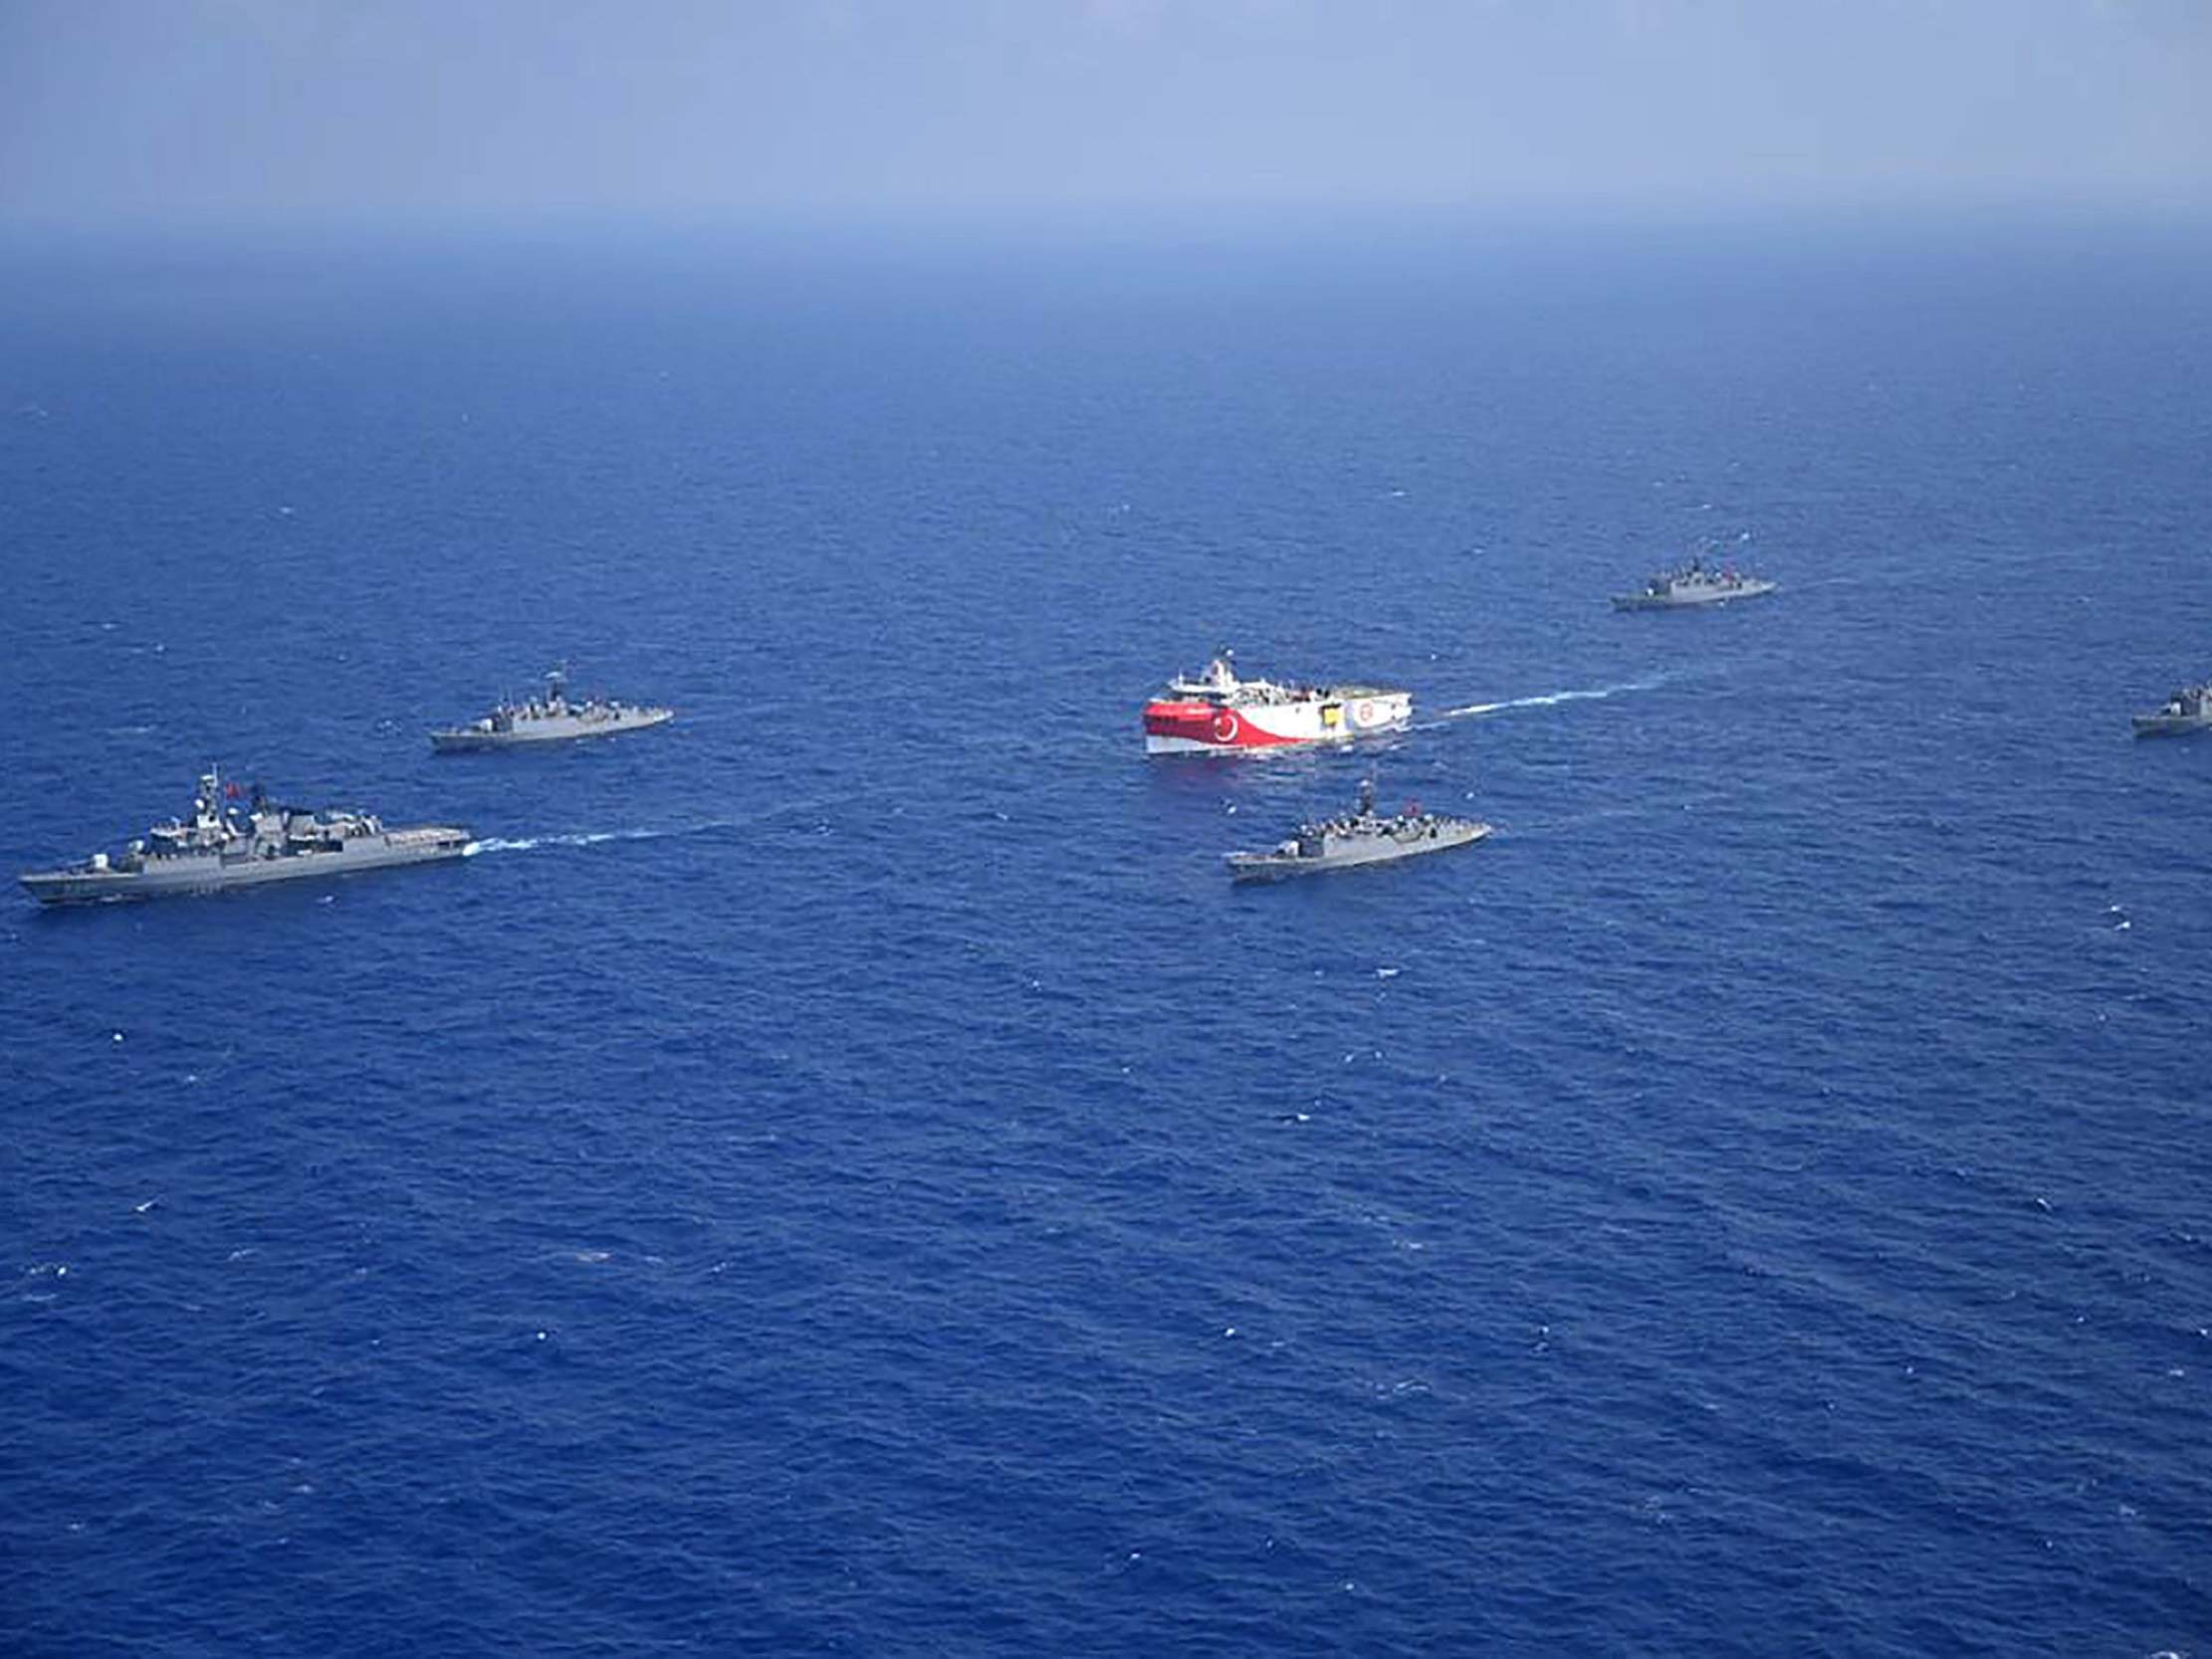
<point>551,718</point>
<point>1694,583</point>
<point>2187,710</point>
<point>226,846</point>
<point>1358,838</point>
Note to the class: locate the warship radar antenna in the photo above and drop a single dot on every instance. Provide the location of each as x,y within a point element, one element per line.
<point>210,800</point>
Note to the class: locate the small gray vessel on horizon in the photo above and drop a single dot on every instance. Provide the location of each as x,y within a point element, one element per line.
<point>226,846</point>
<point>551,718</point>
<point>2187,710</point>
<point>1695,583</point>
<point>1357,837</point>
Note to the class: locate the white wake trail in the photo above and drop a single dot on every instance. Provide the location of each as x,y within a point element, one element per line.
<point>592,838</point>
<point>1592,694</point>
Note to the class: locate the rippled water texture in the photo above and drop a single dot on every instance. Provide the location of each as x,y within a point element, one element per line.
<point>847,1172</point>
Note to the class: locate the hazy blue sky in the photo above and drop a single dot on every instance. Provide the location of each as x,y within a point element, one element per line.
<point>257,111</point>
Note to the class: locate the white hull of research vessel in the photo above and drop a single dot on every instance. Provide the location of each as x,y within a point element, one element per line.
<point>1217,713</point>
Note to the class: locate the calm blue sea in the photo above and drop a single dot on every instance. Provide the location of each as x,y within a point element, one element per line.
<point>848,1175</point>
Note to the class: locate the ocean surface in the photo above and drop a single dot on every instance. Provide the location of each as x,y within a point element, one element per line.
<point>847,1174</point>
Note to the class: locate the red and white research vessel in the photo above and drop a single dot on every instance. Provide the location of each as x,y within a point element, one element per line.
<point>1217,712</point>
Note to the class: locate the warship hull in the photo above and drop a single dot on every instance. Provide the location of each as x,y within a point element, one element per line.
<point>555,730</point>
<point>186,874</point>
<point>2171,725</point>
<point>1387,849</point>
<point>1693,598</point>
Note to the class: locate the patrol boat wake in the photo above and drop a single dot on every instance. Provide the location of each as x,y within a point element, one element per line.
<point>1358,838</point>
<point>225,846</point>
<point>1218,711</point>
<point>551,718</point>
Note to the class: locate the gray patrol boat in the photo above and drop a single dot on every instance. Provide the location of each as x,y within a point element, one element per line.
<point>1357,837</point>
<point>226,846</point>
<point>2187,710</point>
<point>551,718</point>
<point>1695,583</point>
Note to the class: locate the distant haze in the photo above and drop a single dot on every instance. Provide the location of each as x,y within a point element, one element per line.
<point>321,111</point>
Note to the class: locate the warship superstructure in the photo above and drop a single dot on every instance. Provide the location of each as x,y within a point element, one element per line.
<point>555,717</point>
<point>1360,837</point>
<point>1695,583</point>
<point>227,845</point>
<point>1218,711</point>
<point>2187,710</point>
